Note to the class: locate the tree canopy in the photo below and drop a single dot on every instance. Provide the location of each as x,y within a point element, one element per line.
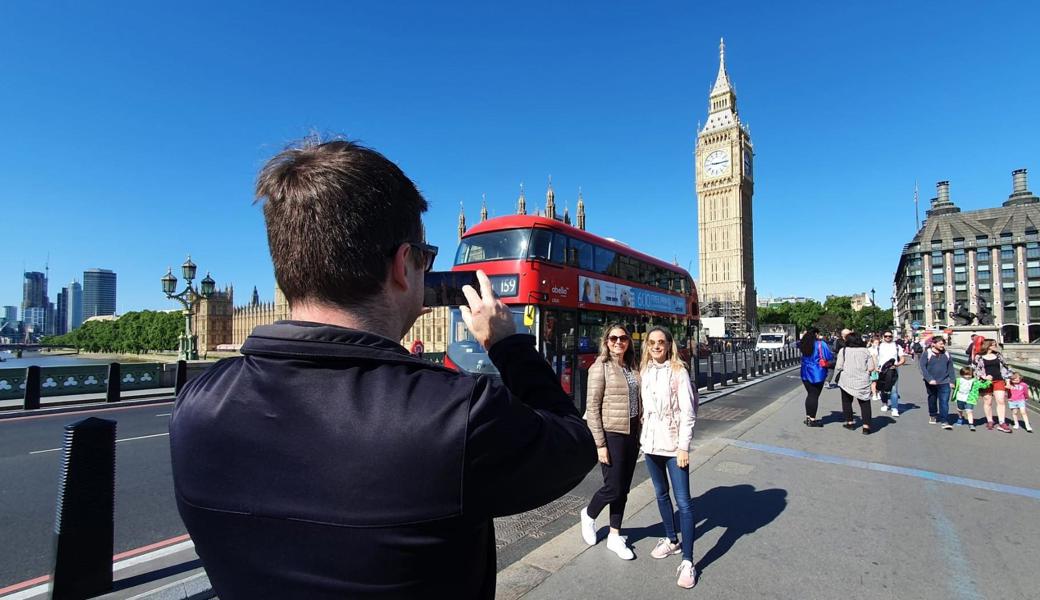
<point>132,333</point>
<point>830,317</point>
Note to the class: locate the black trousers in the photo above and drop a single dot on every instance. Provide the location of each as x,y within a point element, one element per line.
<point>812,397</point>
<point>623,451</point>
<point>864,408</point>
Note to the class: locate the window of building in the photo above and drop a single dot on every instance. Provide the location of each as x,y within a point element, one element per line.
<point>1007,253</point>
<point>1005,235</point>
<point>958,242</point>
<point>1033,250</point>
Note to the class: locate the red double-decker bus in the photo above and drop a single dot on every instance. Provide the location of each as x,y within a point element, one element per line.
<point>564,285</point>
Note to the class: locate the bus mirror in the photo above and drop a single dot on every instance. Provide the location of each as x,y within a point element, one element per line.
<point>529,316</point>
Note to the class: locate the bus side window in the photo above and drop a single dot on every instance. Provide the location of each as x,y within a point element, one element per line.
<point>541,240</point>
<point>559,249</point>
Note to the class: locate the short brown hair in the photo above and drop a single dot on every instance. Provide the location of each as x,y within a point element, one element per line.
<point>335,213</point>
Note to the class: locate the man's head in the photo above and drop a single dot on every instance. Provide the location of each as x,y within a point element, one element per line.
<point>939,344</point>
<point>344,228</point>
<point>845,333</point>
<point>887,337</point>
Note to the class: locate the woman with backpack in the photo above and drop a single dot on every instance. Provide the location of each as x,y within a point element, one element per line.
<point>816,358</point>
<point>854,368</point>
<point>669,414</point>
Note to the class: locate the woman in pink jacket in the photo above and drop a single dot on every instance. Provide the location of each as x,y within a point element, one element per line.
<point>669,413</point>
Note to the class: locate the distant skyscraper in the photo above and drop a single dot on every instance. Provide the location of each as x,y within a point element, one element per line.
<point>99,292</point>
<point>34,290</point>
<point>61,316</point>
<point>11,314</point>
<point>74,308</point>
<point>34,319</point>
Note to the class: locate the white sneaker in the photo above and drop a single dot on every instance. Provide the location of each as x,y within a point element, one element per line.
<point>895,412</point>
<point>884,408</point>
<point>877,397</point>
<point>1015,426</point>
<point>588,527</point>
<point>616,544</point>
<point>687,575</point>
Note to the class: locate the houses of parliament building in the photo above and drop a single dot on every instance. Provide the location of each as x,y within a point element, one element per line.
<point>221,325</point>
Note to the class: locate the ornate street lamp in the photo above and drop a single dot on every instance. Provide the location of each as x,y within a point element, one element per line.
<point>873,312</point>
<point>189,299</point>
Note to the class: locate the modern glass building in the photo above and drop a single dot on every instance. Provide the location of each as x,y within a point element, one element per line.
<point>983,262</point>
<point>74,306</point>
<point>99,293</point>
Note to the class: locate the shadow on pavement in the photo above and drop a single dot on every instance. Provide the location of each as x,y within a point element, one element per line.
<point>129,582</point>
<point>740,510</point>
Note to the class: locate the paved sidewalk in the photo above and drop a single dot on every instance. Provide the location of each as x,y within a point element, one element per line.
<point>786,511</point>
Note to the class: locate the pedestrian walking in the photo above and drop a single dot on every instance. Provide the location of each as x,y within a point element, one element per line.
<point>335,464</point>
<point>1019,392</point>
<point>836,344</point>
<point>966,394</point>
<point>669,415</point>
<point>816,358</point>
<point>990,365</point>
<point>890,357</point>
<point>872,345</point>
<point>937,370</point>
<point>854,367</point>
<point>613,417</point>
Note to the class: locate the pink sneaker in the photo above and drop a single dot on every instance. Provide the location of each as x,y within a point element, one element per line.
<point>665,548</point>
<point>687,575</point>
<point>1003,427</point>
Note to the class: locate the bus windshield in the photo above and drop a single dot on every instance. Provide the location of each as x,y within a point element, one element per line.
<point>494,245</point>
<point>466,353</point>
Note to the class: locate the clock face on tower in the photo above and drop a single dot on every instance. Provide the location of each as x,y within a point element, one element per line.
<point>716,163</point>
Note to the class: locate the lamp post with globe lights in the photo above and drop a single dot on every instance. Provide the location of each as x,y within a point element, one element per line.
<point>189,299</point>
<point>873,312</point>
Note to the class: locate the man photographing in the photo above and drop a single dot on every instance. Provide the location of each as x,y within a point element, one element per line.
<point>327,462</point>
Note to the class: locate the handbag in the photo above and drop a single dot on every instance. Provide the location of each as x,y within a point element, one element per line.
<point>823,361</point>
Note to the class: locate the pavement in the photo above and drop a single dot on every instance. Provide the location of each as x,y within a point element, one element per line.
<point>787,511</point>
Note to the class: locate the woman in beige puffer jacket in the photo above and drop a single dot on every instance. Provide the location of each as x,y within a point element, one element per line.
<point>613,412</point>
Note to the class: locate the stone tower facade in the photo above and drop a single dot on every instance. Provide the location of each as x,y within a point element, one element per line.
<point>725,185</point>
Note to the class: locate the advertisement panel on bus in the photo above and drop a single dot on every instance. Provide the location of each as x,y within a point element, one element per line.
<point>598,291</point>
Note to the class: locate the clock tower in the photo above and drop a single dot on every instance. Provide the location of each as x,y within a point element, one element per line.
<point>725,184</point>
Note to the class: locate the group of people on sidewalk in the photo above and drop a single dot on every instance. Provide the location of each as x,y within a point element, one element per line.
<point>647,405</point>
<point>868,372</point>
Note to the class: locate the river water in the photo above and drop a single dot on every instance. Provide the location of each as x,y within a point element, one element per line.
<point>47,360</point>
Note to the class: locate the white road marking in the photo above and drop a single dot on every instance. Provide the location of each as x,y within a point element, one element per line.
<point>163,414</point>
<point>140,437</point>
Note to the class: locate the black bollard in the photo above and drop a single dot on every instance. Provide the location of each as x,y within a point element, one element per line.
<point>724,372</point>
<point>83,522</point>
<point>112,393</point>
<point>32,388</point>
<point>711,371</point>
<point>182,376</point>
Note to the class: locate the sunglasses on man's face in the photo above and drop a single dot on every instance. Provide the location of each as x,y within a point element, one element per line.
<point>613,339</point>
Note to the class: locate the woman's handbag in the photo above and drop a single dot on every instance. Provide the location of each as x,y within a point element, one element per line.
<point>823,361</point>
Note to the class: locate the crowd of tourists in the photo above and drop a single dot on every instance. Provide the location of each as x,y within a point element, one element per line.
<point>866,369</point>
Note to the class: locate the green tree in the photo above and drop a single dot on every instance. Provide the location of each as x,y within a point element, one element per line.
<point>804,314</point>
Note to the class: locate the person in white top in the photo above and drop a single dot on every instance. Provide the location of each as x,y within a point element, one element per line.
<point>888,384</point>
<point>669,414</point>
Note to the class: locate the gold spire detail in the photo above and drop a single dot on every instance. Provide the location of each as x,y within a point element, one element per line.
<point>483,208</point>
<point>462,221</point>
<point>550,201</point>
<point>521,202</point>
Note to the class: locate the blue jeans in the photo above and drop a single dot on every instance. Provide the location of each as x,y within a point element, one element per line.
<point>663,468</point>
<point>939,394</point>
<point>892,397</point>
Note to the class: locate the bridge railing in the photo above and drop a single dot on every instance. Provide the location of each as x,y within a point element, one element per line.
<point>83,379</point>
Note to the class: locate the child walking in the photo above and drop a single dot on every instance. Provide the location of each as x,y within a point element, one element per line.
<point>1017,403</point>
<point>966,394</point>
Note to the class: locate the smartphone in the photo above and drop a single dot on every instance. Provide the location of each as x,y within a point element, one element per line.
<point>444,288</point>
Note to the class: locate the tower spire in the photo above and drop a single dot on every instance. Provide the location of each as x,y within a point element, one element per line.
<point>581,210</point>
<point>722,83</point>
<point>521,202</point>
<point>462,221</point>
<point>550,201</point>
<point>483,208</point>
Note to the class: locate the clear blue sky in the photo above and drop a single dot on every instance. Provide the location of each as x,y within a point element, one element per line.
<point>131,133</point>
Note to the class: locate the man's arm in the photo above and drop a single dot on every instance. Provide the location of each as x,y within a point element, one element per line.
<point>527,445</point>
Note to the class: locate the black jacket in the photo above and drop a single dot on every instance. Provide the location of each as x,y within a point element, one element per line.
<point>328,463</point>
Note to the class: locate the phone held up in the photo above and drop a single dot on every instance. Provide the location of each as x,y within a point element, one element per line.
<point>444,288</point>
